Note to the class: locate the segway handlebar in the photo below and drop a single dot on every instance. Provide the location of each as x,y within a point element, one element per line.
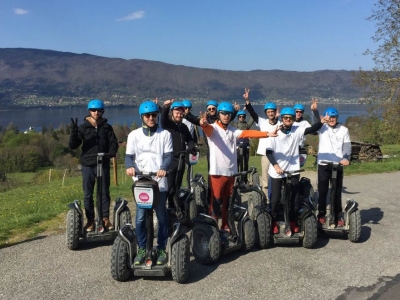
<point>243,173</point>
<point>330,163</point>
<point>292,172</point>
<point>145,173</point>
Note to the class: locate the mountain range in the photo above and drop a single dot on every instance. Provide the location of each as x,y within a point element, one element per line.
<point>34,77</point>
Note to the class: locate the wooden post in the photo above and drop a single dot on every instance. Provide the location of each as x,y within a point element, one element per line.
<point>114,160</point>
<point>49,175</point>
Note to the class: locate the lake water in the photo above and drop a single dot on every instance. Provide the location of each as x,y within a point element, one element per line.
<point>36,118</point>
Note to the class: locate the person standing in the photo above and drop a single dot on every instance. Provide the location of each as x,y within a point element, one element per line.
<point>96,136</point>
<point>243,143</point>
<point>300,121</point>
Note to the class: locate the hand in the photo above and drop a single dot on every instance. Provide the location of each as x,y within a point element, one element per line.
<point>203,119</point>
<point>244,108</point>
<point>161,173</point>
<point>155,100</point>
<point>273,133</point>
<point>246,95</point>
<point>314,103</point>
<point>130,171</point>
<point>344,162</point>
<point>278,169</point>
<point>277,114</point>
<point>236,106</point>
<point>192,151</point>
<point>168,103</point>
<point>324,119</point>
<point>74,125</point>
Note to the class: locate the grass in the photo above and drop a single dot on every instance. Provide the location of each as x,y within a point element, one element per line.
<point>32,209</point>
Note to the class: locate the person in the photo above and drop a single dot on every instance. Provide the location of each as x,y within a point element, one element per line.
<point>149,149</point>
<point>334,146</point>
<point>181,139</point>
<point>244,143</point>
<point>187,104</point>
<point>283,154</point>
<point>96,136</point>
<point>223,157</point>
<point>300,121</point>
<point>270,124</point>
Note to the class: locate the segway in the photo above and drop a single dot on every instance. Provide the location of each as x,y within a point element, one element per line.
<point>305,221</point>
<point>146,194</point>
<point>209,243</point>
<point>75,230</point>
<point>351,214</point>
<point>251,178</point>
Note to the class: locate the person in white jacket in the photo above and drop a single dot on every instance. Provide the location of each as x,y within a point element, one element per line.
<point>334,146</point>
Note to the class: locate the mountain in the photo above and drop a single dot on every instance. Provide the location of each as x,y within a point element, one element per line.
<point>32,77</point>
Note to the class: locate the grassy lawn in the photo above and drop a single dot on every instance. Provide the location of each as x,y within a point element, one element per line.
<point>31,209</point>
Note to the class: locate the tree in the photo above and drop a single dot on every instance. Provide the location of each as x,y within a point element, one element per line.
<point>382,84</point>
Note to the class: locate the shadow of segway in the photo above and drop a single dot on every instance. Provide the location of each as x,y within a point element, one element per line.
<point>371,216</point>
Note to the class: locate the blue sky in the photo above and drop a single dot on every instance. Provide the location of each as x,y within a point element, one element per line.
<point>295,35</point>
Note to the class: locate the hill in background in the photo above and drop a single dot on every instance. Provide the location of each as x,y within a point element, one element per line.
<point>32,77</point>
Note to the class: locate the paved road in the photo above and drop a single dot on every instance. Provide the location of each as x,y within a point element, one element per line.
<point>337,269</point>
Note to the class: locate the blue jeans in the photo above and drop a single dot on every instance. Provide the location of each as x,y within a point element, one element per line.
<point>162,216</point>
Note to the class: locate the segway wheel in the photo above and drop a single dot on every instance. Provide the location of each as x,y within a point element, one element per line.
<point>355,226</point>
<point>310,232</point>
<point>200,197</point>
<point>206,246</point>
<point>249,235</point>
<point>193,212</point>
<point>263,231</point>
<point>180,259</point>
<point>254,205</point>
<point>125,217</point>
<point>120,263</point>
<point>74,225</point>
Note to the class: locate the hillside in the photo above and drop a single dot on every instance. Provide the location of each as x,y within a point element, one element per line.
<point>32,77</point>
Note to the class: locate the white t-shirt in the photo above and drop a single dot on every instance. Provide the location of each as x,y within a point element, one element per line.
<point>189,126</point>
<point>305,124</point>
<point>334,143</point>
<point>264,125</point>
<point>148,151</point>
<point>285,149</point>
<point>223,155</point>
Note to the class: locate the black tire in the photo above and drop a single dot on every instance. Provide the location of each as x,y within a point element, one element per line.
<point>206,246</point>
<point>263,231</point>
<point>254,205</point>
<point>249,235</point>
<point>310,232</point>
<point>125,217</point>
<point>180,259</point>
<point>120,262</point>
<point>193,212</point>
<point>74,225</point>
<point>200,197</point>
<point>355,226</point>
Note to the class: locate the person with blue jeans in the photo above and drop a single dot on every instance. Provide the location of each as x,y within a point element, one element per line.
<point>96,136</point>
<point>149,149</point>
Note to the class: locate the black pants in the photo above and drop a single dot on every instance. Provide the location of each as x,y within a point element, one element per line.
<point>174,179</point>
<point>245,158</point>
<point>324,176</point>
<point>89,174</point>
<point>276,186</point>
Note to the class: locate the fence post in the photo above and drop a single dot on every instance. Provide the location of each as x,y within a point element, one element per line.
<point>49,175</point>
<point>65,171</point>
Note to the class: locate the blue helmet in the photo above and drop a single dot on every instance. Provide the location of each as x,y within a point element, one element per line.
<point>212,102</point>
<point>269,105</point>
<point>331,112</point>
<point>288,111</point>
<point>177,105</point>
<point>241,113</point>
<point>298,106</point>
<point>95,104</point>
<point>187,103</point>
<point>225,106</point>
<point>148,107</point>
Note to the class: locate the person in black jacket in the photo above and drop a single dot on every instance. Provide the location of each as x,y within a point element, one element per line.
<point>96,136</point>
<point>181,139</point>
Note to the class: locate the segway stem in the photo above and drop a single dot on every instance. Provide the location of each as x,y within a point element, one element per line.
<point>99,194</point>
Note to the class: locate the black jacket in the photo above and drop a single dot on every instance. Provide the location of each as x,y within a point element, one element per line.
<point>180,133</point>
<point>94,140</point>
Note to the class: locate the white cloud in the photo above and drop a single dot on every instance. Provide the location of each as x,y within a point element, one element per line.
<point>20,11</point>
<point>133,16</point>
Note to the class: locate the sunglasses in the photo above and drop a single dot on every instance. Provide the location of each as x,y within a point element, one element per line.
<point>224,113</point>
<point>299,111</point>
<point>98,110</point>
<point>211,109</point>
<point>241,116</point>
<point>154,115</point>
<point>287,118</point>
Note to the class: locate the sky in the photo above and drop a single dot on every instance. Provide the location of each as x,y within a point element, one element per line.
<point>290,35</point>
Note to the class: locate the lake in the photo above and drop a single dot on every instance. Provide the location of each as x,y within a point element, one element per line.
<point>36,118</point>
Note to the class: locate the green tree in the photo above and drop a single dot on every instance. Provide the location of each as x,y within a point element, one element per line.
<point>382,84</point>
